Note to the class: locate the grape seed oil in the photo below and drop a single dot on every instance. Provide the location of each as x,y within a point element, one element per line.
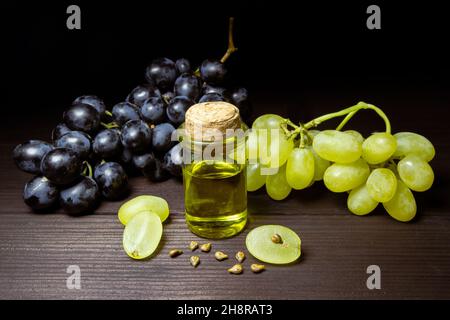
<point>214,179</point>
<point>215,198</point>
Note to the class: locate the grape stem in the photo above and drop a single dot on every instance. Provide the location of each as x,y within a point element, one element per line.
<point>302,139</point>
<point>109,125</point>
<point>349,113</point>
<point>346,119</point>
<point>108,113</point>
<point>89,169</point>
<point>231,48</point>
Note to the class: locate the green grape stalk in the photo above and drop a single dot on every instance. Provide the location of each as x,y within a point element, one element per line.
<point>382,168</point>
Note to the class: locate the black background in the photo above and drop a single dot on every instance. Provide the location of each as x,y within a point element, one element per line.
<point>285,48</point>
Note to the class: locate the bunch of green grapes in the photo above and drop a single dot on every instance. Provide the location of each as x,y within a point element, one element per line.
<point>383,168</point>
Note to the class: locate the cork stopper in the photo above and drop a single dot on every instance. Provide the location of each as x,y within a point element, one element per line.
<point>208,120</point>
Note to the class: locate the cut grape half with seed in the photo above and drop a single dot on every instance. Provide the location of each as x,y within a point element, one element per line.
<point>260,245</point>
<point>142,235</point>
<point>143,203</point>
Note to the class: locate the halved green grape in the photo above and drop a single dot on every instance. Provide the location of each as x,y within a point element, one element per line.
<point>337,146</point>
<point>268,121</point>
<point>356,134</point>
<point>382,184</point>
<point>260,244</point>
<point>300,168</point>
<point>413,143</point>
<point>276,185</point>
<point>402,206</point>
<point>360,202</point>
<point>143,203</point>
<point>379,147</point>
<point>142,235</point>
<point>344,177</point>
<point>254,178</point>
<point>320,165</point>
<point>415,172</point>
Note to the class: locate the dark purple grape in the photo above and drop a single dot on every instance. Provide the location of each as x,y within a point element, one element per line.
<point>153,110</point>
<point>125,111</point>
<point>39,193</point>
<point>159,173</point>
<point>187,85</point>
<point>76,141</point>
<point>168,96</point>
<point>126,156</point>
<point>60,130</point>
<point>81,197</point>
<point>61,166</point>
<point>177,108</point>
<point>82,117</point>
<point>163,72</point>
<point>126,160</point>
<point>112,180</point>
<point>209,97</point>
<point>28,156</point>
<point>173,160</point>
<point>107,144</point>
<point>183,65</point>
<point>162,137</point>
<point>146,163</point>
<point>94,101</point>
<point>240,99</point>
<point>207,88</point>
<point>141,93</point>
<point>212,71</point>
<point>136,136</point>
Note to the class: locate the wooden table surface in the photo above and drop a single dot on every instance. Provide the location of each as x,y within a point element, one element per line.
<point>337,247</point>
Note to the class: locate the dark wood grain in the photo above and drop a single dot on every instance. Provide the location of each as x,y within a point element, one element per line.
<point>36,249</point>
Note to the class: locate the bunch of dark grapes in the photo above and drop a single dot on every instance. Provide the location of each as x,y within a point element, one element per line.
<point>93,150</point>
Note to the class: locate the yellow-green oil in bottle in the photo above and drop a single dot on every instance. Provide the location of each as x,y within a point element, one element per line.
<point>215,198</point>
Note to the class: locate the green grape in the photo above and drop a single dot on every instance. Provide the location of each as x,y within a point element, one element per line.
<point>300,168</point>
<point>393,167</point>
<point>268,121</point>
<point>320,165</point>
<point>344,177</point>
<point>313,133</point>
<point>254,178</point>
<point>415,172</point>
<point>382,184</point>
<point>337,146</point>
<point>280,148</point>
<point>360,202</point>
<point>402,206</point>
<point>409,143</point>
<point>356,134</point>
<point>379,147</point>
<point>142,235</point>
<point>276,185</point>
<point>260,244</point>
<point>143,203</point>
<point>252,145</point>
<point>273,147</point>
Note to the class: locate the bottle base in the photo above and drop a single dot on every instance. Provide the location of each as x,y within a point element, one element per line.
<point>217,228</point>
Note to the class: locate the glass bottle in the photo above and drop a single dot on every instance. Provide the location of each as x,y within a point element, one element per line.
<point>214,170</point>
